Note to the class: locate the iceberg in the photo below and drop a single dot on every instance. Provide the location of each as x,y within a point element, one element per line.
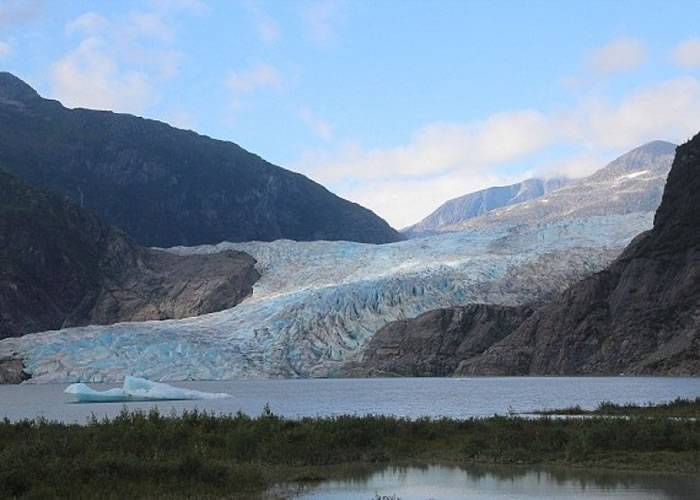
<point>138,389</point>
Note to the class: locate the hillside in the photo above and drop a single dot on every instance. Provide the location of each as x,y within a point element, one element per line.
<point>60,266</point>
<point>164,186</point>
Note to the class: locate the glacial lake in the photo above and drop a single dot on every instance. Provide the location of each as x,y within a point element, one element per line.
<point>441,482</point>
<point>406,397</point>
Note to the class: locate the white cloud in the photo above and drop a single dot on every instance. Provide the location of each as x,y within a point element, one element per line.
<point>149,24</point>
<point>119,64</point>
<point>90,77</point>
<point>577,165</point>
<point>89,23</point>
<point>254,78</point>
<point>623,54</point>
<point>403,202</point>
<point>687,53</point>
<point>669,109</point>
<point>439,147</point>
<point>318,126</point>
<point>443,160</point>
<point>5,49</point>
<point>266,27</point>
<point>320,19</point>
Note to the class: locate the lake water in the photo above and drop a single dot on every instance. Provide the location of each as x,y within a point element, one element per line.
<point>506,483</point>
<point>409,397</point>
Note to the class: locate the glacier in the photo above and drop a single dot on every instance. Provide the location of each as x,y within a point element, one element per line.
<point>317,303</point>
<point>138,389</point>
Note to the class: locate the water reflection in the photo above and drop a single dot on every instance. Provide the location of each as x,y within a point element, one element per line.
<point>480,482</point>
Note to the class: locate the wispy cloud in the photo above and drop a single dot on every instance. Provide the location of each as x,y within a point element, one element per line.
<point>320,19</point>
<point>322,128</point>
<point>259,76</point>
<point>89,23</point>
<point>119,64</point>
<point>618,56</point>
<point>687,53</point>
<point>266,27</point>
<point>90,77</point>
<point>5,49</point>
<point>441,146</point>
<point>151,25</point>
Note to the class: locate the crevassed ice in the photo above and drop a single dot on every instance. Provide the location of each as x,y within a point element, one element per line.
<point>317,303</point>
<point>138,389</point>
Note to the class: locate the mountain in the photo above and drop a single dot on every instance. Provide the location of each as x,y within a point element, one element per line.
<point>164,186</point>
<point>641,315</point>
<point>60,266</point>
<point>634,182</point>
<point>472,205</point>
<point>318,305</point>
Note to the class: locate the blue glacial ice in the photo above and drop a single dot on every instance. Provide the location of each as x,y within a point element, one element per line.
<point>138,389</point>
<point>317,303</point>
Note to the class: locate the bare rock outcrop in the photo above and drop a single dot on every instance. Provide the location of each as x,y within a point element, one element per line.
<point>61,266</point>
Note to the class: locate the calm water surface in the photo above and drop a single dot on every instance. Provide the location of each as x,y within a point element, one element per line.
<point>477,483</point>
<point>409,397</point>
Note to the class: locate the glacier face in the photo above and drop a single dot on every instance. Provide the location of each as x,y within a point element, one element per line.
<point>318,302</point>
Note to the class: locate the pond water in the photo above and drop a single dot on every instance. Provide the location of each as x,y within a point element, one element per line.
<point>441,482</point>
<point>408,397</point>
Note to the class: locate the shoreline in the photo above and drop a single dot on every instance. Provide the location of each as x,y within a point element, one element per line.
<point>148,454</point>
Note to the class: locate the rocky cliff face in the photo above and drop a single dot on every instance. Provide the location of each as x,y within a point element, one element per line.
<point>61,266</point>
<point>434,343</point>
<point>164,186</point>
<point>639,316</point>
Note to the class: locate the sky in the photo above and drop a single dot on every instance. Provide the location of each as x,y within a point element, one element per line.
<point>396,105</point>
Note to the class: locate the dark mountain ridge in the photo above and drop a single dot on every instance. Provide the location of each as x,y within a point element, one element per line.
<point>165,186</point>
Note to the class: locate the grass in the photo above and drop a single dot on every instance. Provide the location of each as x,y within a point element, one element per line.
<point>200,455</point>
<point>678,408</point>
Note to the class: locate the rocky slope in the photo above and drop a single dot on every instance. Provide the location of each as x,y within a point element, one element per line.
<point>165,186</point>
<point>60,266</point>
<point>458,210</point>
<point>634,182</point>
<point>641,315</point>
<point>434,343</point>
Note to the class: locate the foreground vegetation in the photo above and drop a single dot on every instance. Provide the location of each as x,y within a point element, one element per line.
<point>678,408</point>
<point>146,455</point>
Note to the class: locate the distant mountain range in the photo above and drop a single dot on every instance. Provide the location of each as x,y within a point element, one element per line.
<point>458,210</point>
<point>61,266</point>
<point>164,186</point>
<point>633,182</point>
<point>641,315</point>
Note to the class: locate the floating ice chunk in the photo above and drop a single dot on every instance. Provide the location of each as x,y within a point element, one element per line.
<point>138,389</point>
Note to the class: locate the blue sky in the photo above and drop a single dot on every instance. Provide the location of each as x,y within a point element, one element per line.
<point>398,105</point>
